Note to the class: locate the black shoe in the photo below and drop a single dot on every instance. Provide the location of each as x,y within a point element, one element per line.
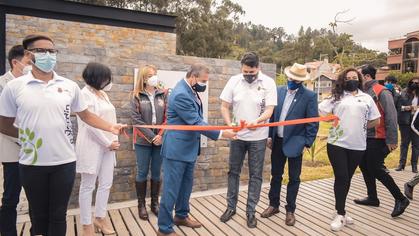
<point>251,220</point>
<point>408,191</point>
<point>400,168</point>
<point>399,207</point>
<point>415,169</point>
<point>227,215</point>
<point>368,202</point>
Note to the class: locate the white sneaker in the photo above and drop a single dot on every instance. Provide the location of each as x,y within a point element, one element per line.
<point>338,223</point>
<point>349,220</point>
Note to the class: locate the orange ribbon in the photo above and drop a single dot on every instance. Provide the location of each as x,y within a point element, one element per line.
<point>242,125</point>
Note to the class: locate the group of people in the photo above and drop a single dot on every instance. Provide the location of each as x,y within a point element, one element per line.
<point>42,156</point>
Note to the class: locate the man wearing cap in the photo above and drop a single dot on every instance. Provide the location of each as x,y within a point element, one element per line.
<point>288,142</point>
<point>252,96</point>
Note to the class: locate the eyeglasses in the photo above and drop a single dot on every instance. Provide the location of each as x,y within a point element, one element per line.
<point>43,50</point>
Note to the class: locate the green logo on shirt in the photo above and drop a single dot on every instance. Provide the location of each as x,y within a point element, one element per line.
<point>29,144</point>
<point>335,133</point>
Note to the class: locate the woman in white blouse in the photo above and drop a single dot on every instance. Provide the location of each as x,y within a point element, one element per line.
<point>96,150</point>
<point>348,140</point>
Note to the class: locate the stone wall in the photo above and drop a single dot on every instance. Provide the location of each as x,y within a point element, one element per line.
<point>123,50</point>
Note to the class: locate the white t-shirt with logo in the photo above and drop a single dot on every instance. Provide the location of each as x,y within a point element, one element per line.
<point>42,112</point>
<point>249,101</point>
<point>354,112</point>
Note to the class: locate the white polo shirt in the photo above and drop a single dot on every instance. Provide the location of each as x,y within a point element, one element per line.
<point>42,112</point>
<point>354,112</point>
<point>249,102</point>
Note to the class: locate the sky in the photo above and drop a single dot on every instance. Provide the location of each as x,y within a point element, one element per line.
<point>375,21</point>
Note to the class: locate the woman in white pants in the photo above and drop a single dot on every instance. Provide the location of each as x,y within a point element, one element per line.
<point>96,150</point>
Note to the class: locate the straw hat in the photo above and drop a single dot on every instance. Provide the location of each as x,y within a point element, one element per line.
<point>297,72</point>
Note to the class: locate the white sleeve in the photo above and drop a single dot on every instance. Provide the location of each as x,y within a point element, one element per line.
<point>414,121</point>
<point>97,133</point>
<point>78,104</point>
<point>227,93</point>
<point>271,95</point>
<point>373,112</point>
<point>326,107</point>
<point>8,106</point>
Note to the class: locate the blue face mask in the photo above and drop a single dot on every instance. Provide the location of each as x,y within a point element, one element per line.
<point>45,61</point>
<point>389,86</point>
<point>292,85</point>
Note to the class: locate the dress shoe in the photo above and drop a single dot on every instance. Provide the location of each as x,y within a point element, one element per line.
<point>400,168</point>
<point>103,226</point>
<point>162,234</point>
<point>227,215</point>
<point>290,219</point>
<point>88,230</point>
<point>187,222</point>
<point>270,211</point>
<point>415,169</point>
<point>399,207</point>
<point>408,191</point>
<point>367,202</point>
<point>251,220</point>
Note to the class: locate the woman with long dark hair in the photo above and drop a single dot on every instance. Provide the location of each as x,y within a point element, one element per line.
<point>347,141</point>
<point>406,107</point>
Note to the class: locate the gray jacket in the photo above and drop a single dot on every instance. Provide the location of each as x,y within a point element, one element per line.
<point>385,99</point>
<point>141,114</point>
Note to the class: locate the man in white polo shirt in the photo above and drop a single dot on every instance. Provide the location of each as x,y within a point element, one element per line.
<point>253,97</point>
<point>40,103</point>
<point>10,150</point>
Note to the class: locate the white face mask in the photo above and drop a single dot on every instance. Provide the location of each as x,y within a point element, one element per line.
<point>153,81</point>
<point>108,87</point>
<point>26,69</point>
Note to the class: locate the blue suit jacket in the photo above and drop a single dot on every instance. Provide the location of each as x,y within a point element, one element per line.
<point>184,109</point>
<point>296,137</point>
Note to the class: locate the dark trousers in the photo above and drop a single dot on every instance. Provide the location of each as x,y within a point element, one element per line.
<point>48,189</point>
<point>278,160</point>
<point>344,162</point>
<point>408,136</point>
<point>177,188</point>
<point>256,155</point>
<point>372,169</point>
<point>11,194</point>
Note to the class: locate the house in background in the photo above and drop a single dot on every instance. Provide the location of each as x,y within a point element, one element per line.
<point>404,53</point>
<point>325,72</point>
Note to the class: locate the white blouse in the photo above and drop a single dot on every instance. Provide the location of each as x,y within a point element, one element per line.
<point>93,144</point>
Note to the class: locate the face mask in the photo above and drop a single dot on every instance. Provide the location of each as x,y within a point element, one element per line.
<point>413,86</point>
<point>199,86</point>
<point>351,85</point>
<point>26,69</point>
<point>153,81</point>
<point>292,85</point>
<point>250,77</point>
<point>389,86</point>
<point>45,61</point>
<point>107,87</point>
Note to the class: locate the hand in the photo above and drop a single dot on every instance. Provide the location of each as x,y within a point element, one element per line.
<point>407,108</point>
<point>269,143</point>
<point>117,128</point>
<point>157,140</point>
<point>391,147</point>
<point>251,124</point>
<point>229,134</point>
<point>114,146</point>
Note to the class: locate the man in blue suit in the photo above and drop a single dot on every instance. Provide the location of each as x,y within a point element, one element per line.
<point>288,142</point>
<point>181,148</point>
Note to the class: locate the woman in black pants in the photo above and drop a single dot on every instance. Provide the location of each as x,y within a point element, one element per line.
<point>347,140</point>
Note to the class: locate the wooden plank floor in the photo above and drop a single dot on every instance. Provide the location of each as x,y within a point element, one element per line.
<point>315,210</point>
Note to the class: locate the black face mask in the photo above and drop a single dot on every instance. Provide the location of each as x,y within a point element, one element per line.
<point>413,86</point>
<point>351,85</point>
<point>250,77</point>
<point>199,87</point>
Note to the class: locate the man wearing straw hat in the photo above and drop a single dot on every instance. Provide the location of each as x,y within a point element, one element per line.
<point>288,142</point>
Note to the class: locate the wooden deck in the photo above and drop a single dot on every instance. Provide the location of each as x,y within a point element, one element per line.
<point>315,209</point>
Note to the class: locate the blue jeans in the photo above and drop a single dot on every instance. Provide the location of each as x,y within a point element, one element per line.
<point>177,188</point>
<point>148,157</point>
<point>256,153</point>
<point>12,188</point>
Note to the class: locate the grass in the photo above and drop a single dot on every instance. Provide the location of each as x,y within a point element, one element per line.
<point>320,168</point>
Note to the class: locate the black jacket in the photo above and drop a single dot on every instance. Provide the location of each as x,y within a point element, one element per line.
<point>404,117</point>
